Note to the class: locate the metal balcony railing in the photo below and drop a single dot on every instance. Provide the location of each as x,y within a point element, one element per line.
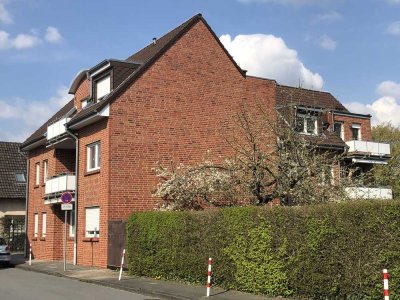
<point>60,183</point>
<point>372,148</point>
<point>369,193</point>
<point>57,128</point>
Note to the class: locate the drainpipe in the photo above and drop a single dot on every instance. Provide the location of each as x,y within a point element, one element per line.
<point>26,200</point>
<point>76,191</point>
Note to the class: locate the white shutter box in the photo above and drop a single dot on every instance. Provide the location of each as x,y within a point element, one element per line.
<point>103,87</point>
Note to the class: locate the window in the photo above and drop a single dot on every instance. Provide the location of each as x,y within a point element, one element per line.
<point>37,179</point>
<point>92,222</point>
<point>45,170</point>
<point>93,156</point>
<point>306,124</point>
<point>103,87</point>
<point>20,177</point>
<point>356,131</point>
<point>339,129</point>
<point>36,227</point>
<point>44,225</point>
<point>84,103</point>
<point>71,223</point>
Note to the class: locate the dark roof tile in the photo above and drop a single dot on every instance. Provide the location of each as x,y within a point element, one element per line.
<point>11,162</point>
<point>287,95</point>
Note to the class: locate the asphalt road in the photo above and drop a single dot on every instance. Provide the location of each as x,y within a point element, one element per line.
<point>18,284</point>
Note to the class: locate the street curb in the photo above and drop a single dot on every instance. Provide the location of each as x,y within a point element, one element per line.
<point>146,292</point>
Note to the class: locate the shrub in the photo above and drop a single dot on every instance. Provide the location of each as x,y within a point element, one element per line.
<point>333,251</point>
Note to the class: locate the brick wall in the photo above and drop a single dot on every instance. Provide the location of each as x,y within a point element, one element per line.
<point>93,190</point>
<point>366,134</point>
<point>82,92</point>
<point>50,247</point>
<point>176,112</point>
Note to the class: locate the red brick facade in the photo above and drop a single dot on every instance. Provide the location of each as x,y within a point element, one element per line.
<point>177,110</point>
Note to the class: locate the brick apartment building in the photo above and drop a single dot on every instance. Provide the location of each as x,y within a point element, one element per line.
<point>169,101</point>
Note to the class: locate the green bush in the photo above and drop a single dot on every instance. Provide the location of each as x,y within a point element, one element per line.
<point>333,251</point>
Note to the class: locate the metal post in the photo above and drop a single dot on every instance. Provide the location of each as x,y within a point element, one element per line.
<point>65,240</point>
<point>122,265</point>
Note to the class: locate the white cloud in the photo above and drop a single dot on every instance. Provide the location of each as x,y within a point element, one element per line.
<point>19,118</point>
<point>329,17</point>
<point>53,35</point>
<point>5,16</point>
<point>394,28</point>
<point>21,41</point>
<point>384,109</point>
<point>327,43</point>
<point>268,56</point>
<point>24,41</point>
<point>389,88</point>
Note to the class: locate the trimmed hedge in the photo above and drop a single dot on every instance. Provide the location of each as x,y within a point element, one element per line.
<point>333,251</point>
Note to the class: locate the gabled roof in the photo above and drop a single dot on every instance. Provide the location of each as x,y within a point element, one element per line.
<point>287,96</point>
<point>40,133</point>
<point>146,57</point>
<point>11,162</point>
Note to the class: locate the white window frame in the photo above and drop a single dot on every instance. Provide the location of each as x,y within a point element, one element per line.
<point>72,223</point>
<point>92,222</point>
<point>341,129</point>
<point>36,225</point>
<point>356,126</point>
<point>306,119</point>
<point>45,170</point>
<point>37,174</point>
<point>103,87</point>
<point>44,224</point>
<point>93,149</point>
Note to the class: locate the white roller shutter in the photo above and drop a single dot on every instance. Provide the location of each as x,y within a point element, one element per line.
<point>92,221</point>
<point>103,87</point>
<point>44,224</point>
<point>36,228</point>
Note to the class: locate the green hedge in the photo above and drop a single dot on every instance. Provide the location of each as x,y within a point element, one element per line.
<point>321,252</point>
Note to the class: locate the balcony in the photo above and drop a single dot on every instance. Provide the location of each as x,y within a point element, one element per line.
<point>56,185</point>
<point>369,193</point>
<point>57,129</point>
<point>369,148</point>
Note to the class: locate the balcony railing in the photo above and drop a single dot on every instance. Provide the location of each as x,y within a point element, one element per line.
<point>60,183</point>
<point>57,128</point>
<point>372,148</point>
<point>369,193</point>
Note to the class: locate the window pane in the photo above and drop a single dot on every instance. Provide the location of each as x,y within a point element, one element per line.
<point>355,133</point>
<point>299,124</point>
<point>44,227</point>
<point>338,128</point>
<point>37,174</point>
<point>20,177</point>
<point>98,155</point>
<point>92,151</point>
<point>310,125</point>
<point>92,221</point>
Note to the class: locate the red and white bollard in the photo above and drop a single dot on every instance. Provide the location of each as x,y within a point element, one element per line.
<point>385,284</point>
<point>30,254</point>
<point>122,264</point>
<point>209,277</point>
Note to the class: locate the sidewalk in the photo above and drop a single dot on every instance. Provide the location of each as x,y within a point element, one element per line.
<point>147,286</point>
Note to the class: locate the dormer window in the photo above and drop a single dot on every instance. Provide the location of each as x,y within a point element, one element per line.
<point>306,124</point>
<point>103,87</point>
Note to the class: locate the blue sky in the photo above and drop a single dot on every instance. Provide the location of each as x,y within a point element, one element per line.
<point>347,47</point>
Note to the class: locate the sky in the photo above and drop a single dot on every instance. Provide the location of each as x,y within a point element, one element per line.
<point>350,48</point>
